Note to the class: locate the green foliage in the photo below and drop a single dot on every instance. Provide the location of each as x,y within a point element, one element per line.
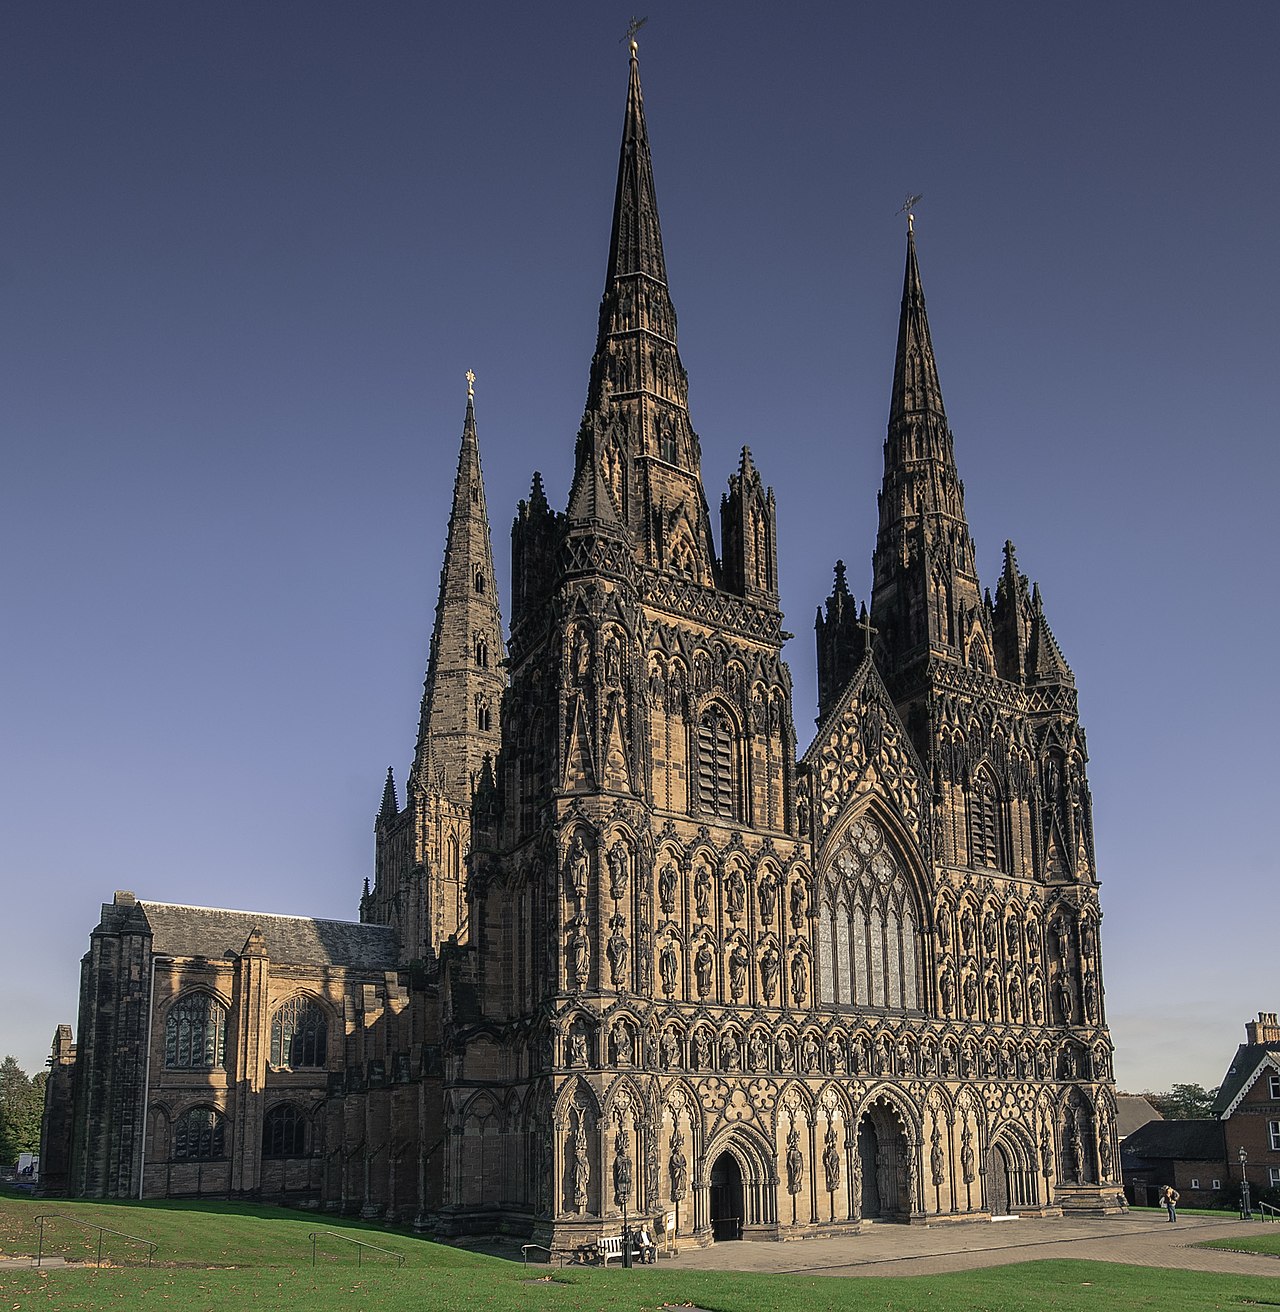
<point>21,1107</point>
<point>1183,1102</point>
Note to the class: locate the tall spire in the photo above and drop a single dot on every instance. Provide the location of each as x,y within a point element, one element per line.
<point>637,430</point>
<point>923,532</point>
<point>464,683</point>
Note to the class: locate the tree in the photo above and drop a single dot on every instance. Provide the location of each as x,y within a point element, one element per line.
<point>1183,1102</point>
<point>21,1108</point>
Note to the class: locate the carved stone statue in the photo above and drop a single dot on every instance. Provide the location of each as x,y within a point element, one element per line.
<point>786,1053</point>
<point>937,1158</point>
<point>969,989</point>
<point>769,967</point>
<point>668,877</point>
<point>835,1055</point>
<point>1066,999</point>
<point>757,1052</point>
<point>831,1159</point>
<point>739,964</point>
<point>795,1162</point>
<point>581,657</point>
<point>728,1052</point>
<point>799,904</point>
<point>989,935</point>
<point>967,929</point>
<point>619,869</point>
<point>579,1169</point>
<point>767,896</point>
<point>702,1050</point>
<point>670,1049</point>
<point>735,891</point>
<point>668,967</point>
<point>579,955</point>
<point>799,978</point>
<point>947,987</point>
<point>1090,999</point>
<point>808,1053</point>
<point>1011,938</point>
<point>702,891</point>
<point>650,1167</point>
<point>992,987</point>
<point>966,1155</point>
<point>678,1165</point>
<point>622,1168</point>
<point>1035,994</point>
<point>618,951</point>
<point>702,967</point>
<point>624,1045</point>
<point>944,929</point>
<point>577,1048</point>
<point>578,867</point>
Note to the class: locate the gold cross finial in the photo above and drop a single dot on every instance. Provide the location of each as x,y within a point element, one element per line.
<point>471,385</point>
<point>632,28</point>
<point>907,206</point>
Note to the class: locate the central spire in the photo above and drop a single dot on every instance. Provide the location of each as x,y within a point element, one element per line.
<point>636,246</point>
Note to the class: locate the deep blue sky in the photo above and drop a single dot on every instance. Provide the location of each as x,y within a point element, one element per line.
<point>248,252</point>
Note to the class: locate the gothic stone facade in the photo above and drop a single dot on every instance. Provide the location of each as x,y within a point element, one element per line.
<point>649,961</point>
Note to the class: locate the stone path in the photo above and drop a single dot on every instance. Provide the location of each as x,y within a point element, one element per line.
<point>883,1250</point>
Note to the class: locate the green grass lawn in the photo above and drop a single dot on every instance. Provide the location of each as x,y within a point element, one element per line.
<point>1268,1243</point>
<point>222,1256</point>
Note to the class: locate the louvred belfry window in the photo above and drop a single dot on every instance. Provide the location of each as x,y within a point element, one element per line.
<point>984,824</point>
<point>717,789</point>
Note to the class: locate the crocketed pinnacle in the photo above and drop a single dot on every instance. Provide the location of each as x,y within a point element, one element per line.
<point>915,371</point>
<point>389,808</point>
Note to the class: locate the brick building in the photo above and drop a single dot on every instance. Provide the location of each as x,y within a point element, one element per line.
<point>625,949</point>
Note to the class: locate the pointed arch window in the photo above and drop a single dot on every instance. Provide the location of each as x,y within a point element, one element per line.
<point>195,1034</point>
<point>717,750</point>
<point>284,1132</point>
<point>299,1035</point>
<point>985,828</point>
<point>200,1135</point>
<point>482,654</point>
<point>483,715</point>
<point>478,582</point>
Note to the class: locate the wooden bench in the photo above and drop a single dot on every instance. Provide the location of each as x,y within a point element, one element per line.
<point>611,1246</point>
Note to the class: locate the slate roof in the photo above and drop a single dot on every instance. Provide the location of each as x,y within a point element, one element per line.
<point>1249,1056</point>
<point>1183,1141</point>
<point>180,931</point>
<point>1132,1113</point>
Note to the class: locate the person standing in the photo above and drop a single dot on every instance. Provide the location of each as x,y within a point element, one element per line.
<point>1169,1199</point>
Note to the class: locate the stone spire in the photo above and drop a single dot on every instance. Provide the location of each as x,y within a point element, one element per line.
<point>389,808</point>
<point>636,429</point>
<point>926,596</point>
<point>465,679</point>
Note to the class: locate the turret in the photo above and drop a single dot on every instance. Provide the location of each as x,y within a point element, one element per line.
<point>749,534</point>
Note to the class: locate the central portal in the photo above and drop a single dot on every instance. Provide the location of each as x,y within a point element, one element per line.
<point>726,1198</point>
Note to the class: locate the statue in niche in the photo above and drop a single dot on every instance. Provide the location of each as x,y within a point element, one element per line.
<point>808,1054</point>
<point>831,1159</point>
<point>729,1052</point>
<point>799,904</point>
<point>702,1050</point>
<point>767,895</point>
<point>1046,1152</point>
<point>612,648</point>
<point>1090,999</point>
<point>670,1049</point>
<point>966,1154</point>
<point>835,1055</point>
<point>1033,940</point>
<point>650,1166</point>
<point>581,657</point>
<point>947,987</point>
<point>855,1185</point>
<point>577,1048</point>
<point>1104,1150</point>
<point>992,987</point>
<point>944,929</point>
<point>969,989</point>
<point>802,816</point>
<point>579,1168</point>
<point>1088,938</point>
<point>678,1165</point>
<point>734,894</point>
<point>622,1168</point>
<point>624,1045</point>
<point>1011,938</point>
<point>913,1174</point>
<point>906,1064</point>
<point>757,1052</point>
<point>702,966</point>
<point>619,869</point>
<point>1015,998</point>
<point>655,685</point>
<point>644,970</point>
<point>769,967</point>
<point>967,929</point>
<point>667,968</point>
<point>786,1052</point>
<point>668,878</point>
<point>1075,1150</point>
<point>1066,999</point>
<point>795,1162</point>
<point>799,977</point>
<point>578,867</point>
<point>937,1158</point>
<point>618,951</point>
<point>739,964</point>
<point>1035,995</point>
<point>702,891</point>
<point>989,935</point>
<point>579,955</point>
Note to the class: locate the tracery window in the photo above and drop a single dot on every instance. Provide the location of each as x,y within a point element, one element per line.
<point>867,922</point>
<point>985,848</point>
<point>299,1033</point>
<point>717,791</point>
<point>195,1037</point>
<point>200,1136</point>
<point>284,1132</point>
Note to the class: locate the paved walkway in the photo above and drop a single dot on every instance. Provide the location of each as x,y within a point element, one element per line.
<point>884,1250</point>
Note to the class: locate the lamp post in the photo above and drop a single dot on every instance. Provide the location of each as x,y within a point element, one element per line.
<point>1245,1213</point>
<point>626,1237</point>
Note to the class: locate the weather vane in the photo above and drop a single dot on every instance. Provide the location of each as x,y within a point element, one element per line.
<point>907,206</point>
<point>632,28</point>
<point>471,385</point>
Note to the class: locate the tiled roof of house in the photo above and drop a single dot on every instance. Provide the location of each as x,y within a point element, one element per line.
<point>1244,1065</point>
<point>1183,1141</point>
<point>1133,1112</point>
<point>297,940</point>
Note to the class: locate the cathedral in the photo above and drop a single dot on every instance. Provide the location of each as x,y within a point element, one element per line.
<point>625,953</point>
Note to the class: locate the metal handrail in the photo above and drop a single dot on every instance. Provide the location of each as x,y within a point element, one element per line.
<point>360,1244</point>
<point>542,1248</point>
<point>1264,1208</point>
<point>88,1225</point>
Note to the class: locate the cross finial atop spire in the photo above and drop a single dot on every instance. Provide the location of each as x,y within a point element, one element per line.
<point>632,28</point>
<point>907,206</point>
<point>471,385</point>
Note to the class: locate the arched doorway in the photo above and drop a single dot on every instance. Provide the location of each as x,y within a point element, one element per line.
<point>882,1162</point>
<point>1000,1184</point>
<point>868,1153</point>
<point>726,1198</point>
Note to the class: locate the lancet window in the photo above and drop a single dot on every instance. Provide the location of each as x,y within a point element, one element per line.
<point>868,923</point>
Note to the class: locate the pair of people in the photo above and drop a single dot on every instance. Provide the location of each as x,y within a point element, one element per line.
<point>1169,1200</point>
